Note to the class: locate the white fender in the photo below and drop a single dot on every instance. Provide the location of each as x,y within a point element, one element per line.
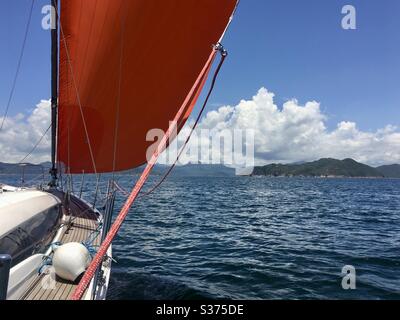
<point>71,260</point>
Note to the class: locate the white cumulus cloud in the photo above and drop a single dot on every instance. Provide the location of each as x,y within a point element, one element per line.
<point>22,132</point>
<point>297,132</point>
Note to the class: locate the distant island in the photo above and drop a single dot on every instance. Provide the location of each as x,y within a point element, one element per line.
<point>328,168</point>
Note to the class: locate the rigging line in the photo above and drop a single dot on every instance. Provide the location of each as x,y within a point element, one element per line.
<point>18,66</point>
<point>224,54</point>
<point>77,93</point>
<point>230,21</point>
<point>36,145</point>
<point>120,189</point>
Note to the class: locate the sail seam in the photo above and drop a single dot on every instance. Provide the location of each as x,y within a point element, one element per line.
<point>117,116</point>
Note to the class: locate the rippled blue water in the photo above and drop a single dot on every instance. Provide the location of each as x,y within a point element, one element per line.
<point>260,238</point>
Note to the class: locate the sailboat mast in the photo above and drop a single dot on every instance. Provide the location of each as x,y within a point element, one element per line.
<point>54,90</point>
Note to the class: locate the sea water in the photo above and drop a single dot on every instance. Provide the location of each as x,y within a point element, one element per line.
<point>257,238</point>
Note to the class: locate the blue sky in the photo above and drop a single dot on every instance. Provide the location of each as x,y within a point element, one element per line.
<point>296,49</point>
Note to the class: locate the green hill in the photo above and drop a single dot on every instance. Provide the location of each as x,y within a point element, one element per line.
<point>320,168</point>
<point>391,171</point>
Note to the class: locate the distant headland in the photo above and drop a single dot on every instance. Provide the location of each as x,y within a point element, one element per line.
<point>329,168</point>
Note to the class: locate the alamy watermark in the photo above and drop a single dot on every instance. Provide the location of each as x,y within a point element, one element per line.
<point>233,148</point>
<point>349,278</point>
<point>349,21</point>
<point>49,279</point>
<point>49,19</point>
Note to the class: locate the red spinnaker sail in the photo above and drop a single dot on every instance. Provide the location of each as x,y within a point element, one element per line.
<point>126,67</point>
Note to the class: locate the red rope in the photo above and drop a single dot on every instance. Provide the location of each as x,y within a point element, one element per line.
<point>97,260</point>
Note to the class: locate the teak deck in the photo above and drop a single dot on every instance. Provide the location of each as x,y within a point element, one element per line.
<point>84,223</point>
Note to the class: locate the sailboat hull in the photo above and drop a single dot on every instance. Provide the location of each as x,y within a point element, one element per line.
<point>33,278</point>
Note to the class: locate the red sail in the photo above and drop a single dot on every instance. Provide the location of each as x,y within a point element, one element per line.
<point>126,67</point>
